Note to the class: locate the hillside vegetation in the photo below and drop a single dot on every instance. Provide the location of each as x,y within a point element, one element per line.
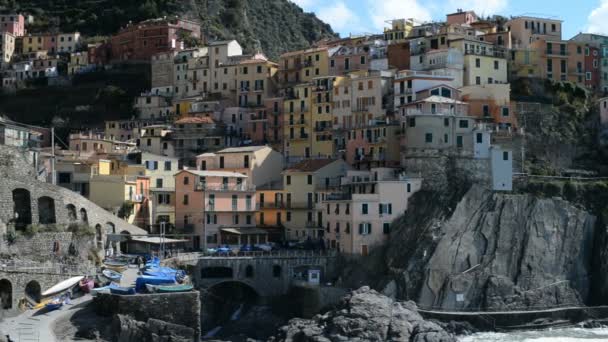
<point>274,26</point>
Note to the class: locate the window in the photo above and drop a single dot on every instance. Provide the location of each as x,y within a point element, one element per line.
<point>186,180</point>
<point>167,165</point>
<point>412,122</point>
<point>505,111</point>
<point>185,200</point>
<point>463,123</point>
<point>496,67</point>
<point>428,138</point>
<point>386,228</point>
<point>362,59</point>
<point>288,180</point>
<point>477,63</point>
<point>365,228</point>
<point>364,208</point>
<point>478,80</point>
<point>246,161</point>
<point>588,76</point>
<point>288,216</point>
<point>159,182</point>
<point>459,143</point>
<point>221,162</point>
<point>309,179</point>
<point>505,155</point>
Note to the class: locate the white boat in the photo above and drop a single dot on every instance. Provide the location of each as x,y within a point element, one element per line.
<point>62,286</point>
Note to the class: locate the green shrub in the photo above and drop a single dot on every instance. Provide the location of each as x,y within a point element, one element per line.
<point>31,230</point>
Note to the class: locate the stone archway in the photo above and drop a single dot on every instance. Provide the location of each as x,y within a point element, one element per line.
<point>83,216</point>
<point>46,210</point>
<point>98,236</point>
<point>33,290</point>
<point>124,241</point>
<point>6,294</point>
<point>22,208</point>
<point>223,299</point>
<point>72,215</point>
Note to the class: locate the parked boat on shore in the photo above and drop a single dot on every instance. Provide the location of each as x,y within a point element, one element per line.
<point>112,275</point>
<point>62,286</point>
<point>122,290</point>
<point>104,289</point>
<point>54,304</point>
<point>169,288</point>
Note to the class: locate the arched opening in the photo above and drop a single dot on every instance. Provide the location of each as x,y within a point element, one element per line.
<point>46,210</point>
<point>124,241</point>
<point>110,228</point>
<point>6,294</point>
<point>276,271</point>
<point>22,208</point>
<point>249,271</point>
<point>83,216</point>
<point>32,290</point>
<point>98,236</point>
<point>226,301</point>
<point>72,215</point>
<point>216,272</point>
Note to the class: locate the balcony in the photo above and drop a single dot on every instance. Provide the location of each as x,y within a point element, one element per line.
<point>300,205</point>
<point>270,205</point>
<point>211,207</point>
<point>226,187</point>
<point>561,53</point>
<point>406,91</point>
<point>297,122</point>
<point>300,137</point>
<point>313,224</point>
<point>339,197</point>
<point>323,128</point>
<point>488,53</point>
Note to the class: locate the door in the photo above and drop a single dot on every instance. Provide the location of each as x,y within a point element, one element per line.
<point>364,251</point>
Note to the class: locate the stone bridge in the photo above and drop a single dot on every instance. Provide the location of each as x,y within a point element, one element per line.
<point>25,200</point>
<point>268,274</point>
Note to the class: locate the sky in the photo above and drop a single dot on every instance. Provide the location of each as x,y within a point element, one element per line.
<point>369,16</point>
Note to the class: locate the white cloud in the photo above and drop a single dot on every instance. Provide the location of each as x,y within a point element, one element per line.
<point>339,16</point>
<point>481,7</point>
<point>381,11</point>
<point>597,22</point>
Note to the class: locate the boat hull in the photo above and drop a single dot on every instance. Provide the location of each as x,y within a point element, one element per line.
<point>62,286</point>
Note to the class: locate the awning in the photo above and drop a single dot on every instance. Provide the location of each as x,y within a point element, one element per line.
<point>244,231</point>
<point>156,240</point>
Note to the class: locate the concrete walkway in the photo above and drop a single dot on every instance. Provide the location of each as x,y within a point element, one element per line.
<point>37,326</point>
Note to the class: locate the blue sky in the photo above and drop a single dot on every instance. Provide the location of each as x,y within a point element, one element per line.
<point>368,16</point>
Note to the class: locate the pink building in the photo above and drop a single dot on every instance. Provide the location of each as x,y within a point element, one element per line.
<point>373,146</point>
<point>13,23</point>
<point>359,217</point>
<point>604,110</point>
<point>217,207</point>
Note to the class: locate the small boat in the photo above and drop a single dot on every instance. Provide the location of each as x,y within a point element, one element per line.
<point>168,288</point>
<point>86,285</point>
<point>141,281</point>
<point>112,275</point>
<point>55,304</point>
<point>122,290</point>
<point>103,289</point>
<point>42,303</point>
<point>62,286</point>
<point>115,265</point>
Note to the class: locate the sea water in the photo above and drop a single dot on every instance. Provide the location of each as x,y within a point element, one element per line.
<point>551,335</point>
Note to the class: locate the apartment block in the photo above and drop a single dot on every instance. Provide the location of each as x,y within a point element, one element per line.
<point>305,185</point>
<point>156,139</point>
<point>7,48</point>
<point>304,65</point>
<point>359,216</point>
<point>12,23</point>
<point>525,30</point>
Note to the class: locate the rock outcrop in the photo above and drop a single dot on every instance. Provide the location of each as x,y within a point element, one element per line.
<point>365,315</point>
<point>495,252</point>
<point>126,329</point>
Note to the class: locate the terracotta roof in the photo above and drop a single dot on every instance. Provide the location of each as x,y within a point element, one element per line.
<point>310,165</point>
<point>195,120</point>
<point>300,52</point>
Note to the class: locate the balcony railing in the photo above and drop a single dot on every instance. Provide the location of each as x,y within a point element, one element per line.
<point>341,196</point>
<point>300,205</point>
<point>312,224</point>
<point>225,187</point>
<point>214,208</point>
<point>557,53</point>
<point>489,53</point>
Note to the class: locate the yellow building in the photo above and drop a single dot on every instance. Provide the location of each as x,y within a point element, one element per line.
<point>78,61</point>
<point>255,81</point>
<point>305,185</point>
<point>303,65</point>
<point>322,118</point>
<point>525,63</point>
<point>399,31</point>
<point>297,137</point>
<point>111,191</point>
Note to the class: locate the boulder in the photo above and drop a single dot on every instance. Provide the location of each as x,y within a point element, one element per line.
<point>365,315</point>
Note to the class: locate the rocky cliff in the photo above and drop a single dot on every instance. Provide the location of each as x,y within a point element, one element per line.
<point>493,251</point>
<point>365,315</point>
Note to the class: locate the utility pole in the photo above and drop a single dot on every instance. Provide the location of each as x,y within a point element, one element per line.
<point>53,178</point>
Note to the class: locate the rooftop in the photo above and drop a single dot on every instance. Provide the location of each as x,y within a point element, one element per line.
<point>242,149</point>
<point>440,99</point>
<point>215,173</point>
<point>310,165</point>
<point>195,120</point>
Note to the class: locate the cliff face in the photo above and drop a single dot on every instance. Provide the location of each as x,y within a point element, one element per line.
<point>495,251</point>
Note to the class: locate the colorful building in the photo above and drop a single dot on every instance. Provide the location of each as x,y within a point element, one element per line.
<point>303,65</point>
<point>305,185</point>
<point>12,23</point>
<point>360,215</point>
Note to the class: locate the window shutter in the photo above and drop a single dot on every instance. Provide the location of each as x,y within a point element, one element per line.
<point>360,228</point>
<point>390,208</point>
<point>369,228</point>
<point>380,208</point>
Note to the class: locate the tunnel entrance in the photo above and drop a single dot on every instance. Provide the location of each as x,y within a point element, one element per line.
<point>6,294</point>
<point>32,290</point>
<point>226,302</point>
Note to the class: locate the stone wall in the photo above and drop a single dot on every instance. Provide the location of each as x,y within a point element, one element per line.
<point>16,170</point>
<point>176,308</point>
<point>41,247</point>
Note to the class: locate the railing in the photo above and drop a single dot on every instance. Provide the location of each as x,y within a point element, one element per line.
<point>339,197</point>
<point>225,187</point>
<point>560,53</point>
<point>299,205</point>
<point>270,205</point>
<point>329,253</point>
<point>406,91</point>
<point>312,224</point>
<point>490,53</point>
<point>231,208</point>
